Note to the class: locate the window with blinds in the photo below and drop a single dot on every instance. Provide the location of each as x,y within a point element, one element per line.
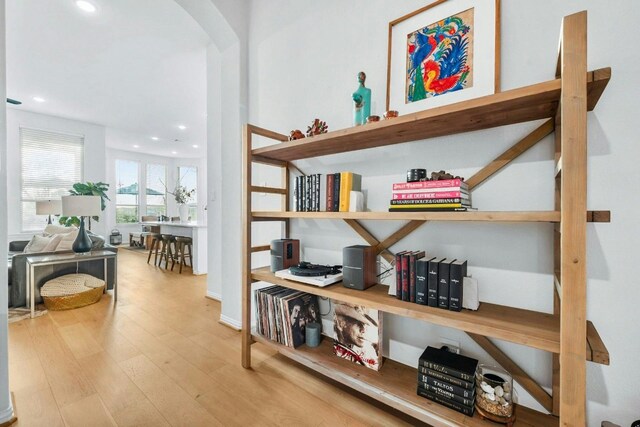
<point>51,163</point>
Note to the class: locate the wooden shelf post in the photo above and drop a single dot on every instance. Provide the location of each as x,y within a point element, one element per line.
<point>573,225</point>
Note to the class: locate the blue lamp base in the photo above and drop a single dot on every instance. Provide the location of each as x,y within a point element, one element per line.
<point>83,242</point>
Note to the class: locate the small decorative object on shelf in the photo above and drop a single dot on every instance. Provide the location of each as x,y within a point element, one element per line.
<point>439,176</point>
<point>317,127</point>
<point>362,101</point>
<point>373,119</point>
<point>494,394</point>
<point>313,334</point>
<point>295,134</point>
<point>416,175</point>
<point>391,114</point>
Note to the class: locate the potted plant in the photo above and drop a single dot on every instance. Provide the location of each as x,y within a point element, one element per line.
<point>182,196</point>
<point>87,189</point>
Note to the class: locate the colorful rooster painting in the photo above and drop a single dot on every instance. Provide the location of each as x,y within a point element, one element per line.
<point>440,57</point>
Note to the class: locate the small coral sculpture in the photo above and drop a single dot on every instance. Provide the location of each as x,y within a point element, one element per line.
<point>317,127</point>
<point>295,134</point>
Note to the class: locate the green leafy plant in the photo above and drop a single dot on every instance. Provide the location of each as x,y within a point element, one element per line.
<point>87,189</point>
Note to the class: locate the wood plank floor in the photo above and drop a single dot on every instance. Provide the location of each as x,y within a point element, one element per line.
<point>160,358</point>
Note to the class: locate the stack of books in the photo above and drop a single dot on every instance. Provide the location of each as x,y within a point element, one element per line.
<point>306,193</point>
<point>339,188</point>
<point>442,195</point>
<point>282,314</point>
<point>448,379</point>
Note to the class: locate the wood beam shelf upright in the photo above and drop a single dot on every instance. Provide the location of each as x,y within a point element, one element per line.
<point>566,333</point>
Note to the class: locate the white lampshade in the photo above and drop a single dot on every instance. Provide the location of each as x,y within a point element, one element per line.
<point>48,207</point>
<point>81,205</point>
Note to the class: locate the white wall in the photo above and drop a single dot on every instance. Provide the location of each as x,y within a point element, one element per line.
<point>6,408</point>
<point>303,64</point>
<point>94,158</point>
<point>172,176</point>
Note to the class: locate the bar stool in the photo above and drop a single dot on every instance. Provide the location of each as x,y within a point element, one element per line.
<point>182,244</point>
<point>166,252</point>
<point>156,239</point>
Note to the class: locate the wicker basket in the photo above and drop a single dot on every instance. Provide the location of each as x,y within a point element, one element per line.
<point>68,302</point>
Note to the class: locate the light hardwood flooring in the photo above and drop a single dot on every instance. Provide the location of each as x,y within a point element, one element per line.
<point>160,358</point>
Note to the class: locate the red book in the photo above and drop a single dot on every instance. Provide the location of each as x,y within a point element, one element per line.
<point>399,274</point>
<point>431,195</point>
<point>330,195</point>
<point>405,276</point>
<point>429,184</point>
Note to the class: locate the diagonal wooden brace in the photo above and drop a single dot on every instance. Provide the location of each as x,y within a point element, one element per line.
<point>382,247</point>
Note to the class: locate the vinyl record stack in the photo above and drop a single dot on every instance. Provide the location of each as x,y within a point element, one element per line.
<point>425,196</point>
<point>448,379</point>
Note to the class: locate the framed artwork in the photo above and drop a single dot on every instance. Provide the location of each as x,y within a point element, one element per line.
<point>445,52</point>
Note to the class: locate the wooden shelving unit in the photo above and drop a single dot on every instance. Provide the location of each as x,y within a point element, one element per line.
<point>566,333</point>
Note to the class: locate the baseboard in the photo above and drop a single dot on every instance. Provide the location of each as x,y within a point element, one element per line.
<point>214,296</point>
<point>9,414</point>
<point>232,323</point>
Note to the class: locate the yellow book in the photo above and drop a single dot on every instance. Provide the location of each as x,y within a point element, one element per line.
<point>346,181</point>
<point>349,182</point>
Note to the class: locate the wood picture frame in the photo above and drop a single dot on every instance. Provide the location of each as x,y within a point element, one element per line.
<point>485,70</point>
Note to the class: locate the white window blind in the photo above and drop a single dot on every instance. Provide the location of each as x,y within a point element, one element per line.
<point>51,163</point>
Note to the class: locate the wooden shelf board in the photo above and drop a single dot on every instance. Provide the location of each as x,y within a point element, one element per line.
<point>538,101</point>
<point>530,328</point>
<point>527,216</point>
<point>394,385</point>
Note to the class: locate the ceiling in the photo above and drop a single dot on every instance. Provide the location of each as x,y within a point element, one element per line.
<point>137,66</point>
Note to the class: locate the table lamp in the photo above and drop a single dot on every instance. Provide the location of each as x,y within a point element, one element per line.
<point>48,207</point>
<point>81,206</point>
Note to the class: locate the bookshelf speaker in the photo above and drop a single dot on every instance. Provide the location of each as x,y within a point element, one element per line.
<point>358,267</point>
<point>284,254</point>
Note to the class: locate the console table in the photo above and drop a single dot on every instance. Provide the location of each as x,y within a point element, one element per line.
<point>65,258</point>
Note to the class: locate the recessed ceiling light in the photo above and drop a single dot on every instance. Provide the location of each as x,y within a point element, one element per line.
<point>155,138</point>
<point>38,99</point>
<point>174,152</point>
<point>86,6</point>
<point>136,146</point>
<point>194,146</point>
<point>182,127</point>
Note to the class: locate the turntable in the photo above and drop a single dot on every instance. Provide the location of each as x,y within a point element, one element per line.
<point>312,274</point>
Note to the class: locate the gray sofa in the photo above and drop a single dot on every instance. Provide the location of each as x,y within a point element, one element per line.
<point>17,268</point>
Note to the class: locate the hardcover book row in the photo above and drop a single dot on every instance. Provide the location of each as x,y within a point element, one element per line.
<point>437,282</point>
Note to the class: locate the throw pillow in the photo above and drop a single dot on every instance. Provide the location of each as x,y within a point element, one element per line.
<point>37,244</point>
<point>53,244</point>
<point>67,241</point>
<point>58,229</point>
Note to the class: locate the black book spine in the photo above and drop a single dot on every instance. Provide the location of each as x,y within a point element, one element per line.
<point>458,272</point>
<point>299,187</point>
<point>443,284</point>
<point>468,385</point>
<point>336,192</point>
<point>446,402</point>
<point>432,283</point>
<point>467,376</point>
<point>308,194</point>
<point>422,269</point>
<point>412,278</point>
<point>313,193</point>
<point>447,394</point>
<point>318,184</point>
<point>462,392</point>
